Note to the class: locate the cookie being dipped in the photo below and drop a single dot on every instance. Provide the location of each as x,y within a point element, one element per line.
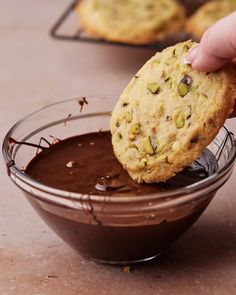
<point>168,114</point>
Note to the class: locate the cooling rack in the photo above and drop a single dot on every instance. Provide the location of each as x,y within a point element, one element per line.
<point>67,28</point>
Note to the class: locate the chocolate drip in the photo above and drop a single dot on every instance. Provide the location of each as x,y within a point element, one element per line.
<point>67,118</point>
<point>81,102</point>
<point>9,164</point>
<point>38,146</point>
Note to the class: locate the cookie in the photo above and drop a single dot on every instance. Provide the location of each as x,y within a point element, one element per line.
<point>131,21</point>
<point>207,15</point>
<point>168,114</point>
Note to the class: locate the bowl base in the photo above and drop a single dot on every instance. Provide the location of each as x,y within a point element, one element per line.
<point>126,262</point>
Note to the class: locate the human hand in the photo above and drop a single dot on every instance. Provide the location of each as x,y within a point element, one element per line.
<point>217,47</point>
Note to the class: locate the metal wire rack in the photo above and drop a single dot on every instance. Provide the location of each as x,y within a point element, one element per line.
<point>228,140</point>
<point>67,28</point>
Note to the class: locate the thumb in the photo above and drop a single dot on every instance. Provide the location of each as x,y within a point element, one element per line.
<point>217,47</point>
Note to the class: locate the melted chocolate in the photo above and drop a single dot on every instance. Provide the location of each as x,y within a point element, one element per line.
<point>86,164</point>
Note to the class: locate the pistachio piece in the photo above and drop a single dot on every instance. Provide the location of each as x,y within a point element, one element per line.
<point>163,75</point>
<point>176,146</point>
<point>132,146</point>
<point>142,163</point>
<point>147,146</point>
<point>118,124</point>
<point>194,88</point>
<point>202,98</point>
<point>128,117</point>
<point>153,87</point>
<point>181,50</point>
<point>168,82</point>
<point>154,142</point>
<point>189,112</point>
<point>184,85</point>
<point>119,135</point>
<point>183,89</point>
<point>161,110</point>
<point>166,78</point>
<point>134,130</point>
<point>180,121</point>
<point>185,48</point>
<point>171,137</point>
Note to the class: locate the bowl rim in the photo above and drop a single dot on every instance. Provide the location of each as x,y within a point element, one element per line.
<point>15,173</point>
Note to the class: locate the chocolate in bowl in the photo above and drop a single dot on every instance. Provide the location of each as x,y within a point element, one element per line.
<point>106,218</point>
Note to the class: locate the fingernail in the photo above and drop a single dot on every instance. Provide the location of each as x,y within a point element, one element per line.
<point>191,56</point>
<point>187,62</point>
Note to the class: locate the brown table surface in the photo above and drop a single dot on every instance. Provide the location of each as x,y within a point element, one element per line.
<point>36,70</point>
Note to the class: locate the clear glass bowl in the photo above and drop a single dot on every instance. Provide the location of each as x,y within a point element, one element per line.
<point>115,229</point>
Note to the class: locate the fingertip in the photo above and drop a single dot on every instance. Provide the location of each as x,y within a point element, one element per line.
<point>207,64</point>
<point>191,57</point>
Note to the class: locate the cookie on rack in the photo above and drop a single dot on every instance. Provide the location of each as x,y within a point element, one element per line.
<point>168,114</point>
<point>207,15</point>
<point>131,21</point>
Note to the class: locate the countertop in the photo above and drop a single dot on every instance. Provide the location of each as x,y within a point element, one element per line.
<point>37,70</point>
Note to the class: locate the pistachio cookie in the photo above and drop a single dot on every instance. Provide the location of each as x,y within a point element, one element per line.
<point>207,15</point>
<point>168,114</point>
<point>131,21</point>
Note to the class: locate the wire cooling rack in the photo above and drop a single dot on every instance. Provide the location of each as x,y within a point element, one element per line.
<point>67,28</point>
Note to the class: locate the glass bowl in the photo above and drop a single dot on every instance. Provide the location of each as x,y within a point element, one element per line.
<point>108,229</point>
